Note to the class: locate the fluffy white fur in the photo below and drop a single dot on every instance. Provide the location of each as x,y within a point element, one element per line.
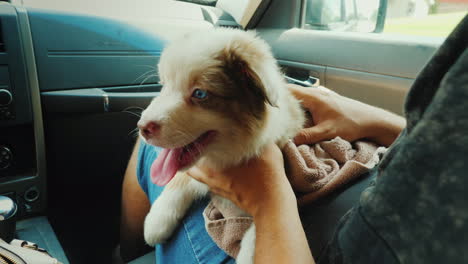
<point>180,64</point>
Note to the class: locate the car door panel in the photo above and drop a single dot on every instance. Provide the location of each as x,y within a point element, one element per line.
<point>100,100</point>
<point>385,91</point>
<point>377,69</point>
<point>99,51</point>
<point>363,86</point>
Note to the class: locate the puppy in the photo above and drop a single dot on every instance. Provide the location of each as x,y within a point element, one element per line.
<point>223,99</point>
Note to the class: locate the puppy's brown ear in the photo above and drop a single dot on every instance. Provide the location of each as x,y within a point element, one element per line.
<point>246,61</point>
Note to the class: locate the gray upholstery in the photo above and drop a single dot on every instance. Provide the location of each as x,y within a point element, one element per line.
<point>321,218</point>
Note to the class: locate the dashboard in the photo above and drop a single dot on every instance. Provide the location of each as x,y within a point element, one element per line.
<point>21,140</point>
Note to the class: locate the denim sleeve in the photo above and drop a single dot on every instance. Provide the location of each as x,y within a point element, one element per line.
<point>190,243</point>
<point>142,180</point>
<point>146,156</point>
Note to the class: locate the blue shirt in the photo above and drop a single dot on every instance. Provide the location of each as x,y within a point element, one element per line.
<point>190,242</point>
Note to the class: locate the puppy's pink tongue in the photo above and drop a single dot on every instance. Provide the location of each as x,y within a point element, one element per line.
<point>165,166</point>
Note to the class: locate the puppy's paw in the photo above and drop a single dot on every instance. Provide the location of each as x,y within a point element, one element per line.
<point>246,255</point>
<point>247,250</point>
<point>159,226</point>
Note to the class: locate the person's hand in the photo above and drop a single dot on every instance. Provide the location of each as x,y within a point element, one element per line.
<point>260,188</point>
<point>259,184</point>
<point>335,115</point>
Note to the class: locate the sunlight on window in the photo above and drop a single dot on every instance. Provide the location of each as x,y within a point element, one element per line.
<point>434,18</point>
<point>339,15</point>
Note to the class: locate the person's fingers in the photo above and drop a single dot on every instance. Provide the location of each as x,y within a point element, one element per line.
<point>208,177</point>
<point>306,95</point>
<point>313,134</point>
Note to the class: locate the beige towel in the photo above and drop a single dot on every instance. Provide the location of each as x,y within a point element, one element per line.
<point>225,229</point>
<point>314,172</point>
<point>317,170</point>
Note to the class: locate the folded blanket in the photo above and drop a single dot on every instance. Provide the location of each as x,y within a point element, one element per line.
<point>317,170</point>
<point>314,171</point>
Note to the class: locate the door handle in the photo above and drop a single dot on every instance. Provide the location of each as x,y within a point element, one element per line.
<point>310,82</point>
<point>99,99</point>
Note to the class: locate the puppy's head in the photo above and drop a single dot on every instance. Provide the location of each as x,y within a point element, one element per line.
<point>217,89</point>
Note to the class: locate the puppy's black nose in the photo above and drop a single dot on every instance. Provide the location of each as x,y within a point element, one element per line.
<point>148,129</point>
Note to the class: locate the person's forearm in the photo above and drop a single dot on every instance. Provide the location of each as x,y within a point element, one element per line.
<point>387,128</point>
<point>280,237</point>
<point>135,205</point>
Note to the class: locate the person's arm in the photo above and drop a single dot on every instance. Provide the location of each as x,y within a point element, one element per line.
<point>336,115</point>
<point>135,206</point>
<point>280,237</point>
<point>260,187</point>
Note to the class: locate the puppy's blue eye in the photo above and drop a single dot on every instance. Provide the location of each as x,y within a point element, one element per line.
<point>199,94</point>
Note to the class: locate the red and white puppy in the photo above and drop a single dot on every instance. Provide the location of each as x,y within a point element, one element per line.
<point>223,99</point>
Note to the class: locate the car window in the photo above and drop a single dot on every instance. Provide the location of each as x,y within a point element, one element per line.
<point>341,15</point>
<point>435,18</point>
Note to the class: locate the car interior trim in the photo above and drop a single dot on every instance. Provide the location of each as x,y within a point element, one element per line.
<point>258,14</point>
<point>33,82</point>
<point>282,14</point>
<point>218,17</point>
<point>242,11</point>
<point>382,14</point>
<point>99,100</point>
<point>364,86</point>
<point>387,92</point>
<point>351,50</point>
<point>316,71</point>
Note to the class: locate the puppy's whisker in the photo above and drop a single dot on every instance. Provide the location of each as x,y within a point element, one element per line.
<point>185,137</point>
<point>132,113</point>
<point>134,132</point>
<point>149,76</point>
<point>134,107</point>
<point>147,66</point>
<point>196,146</point>
<point>144,75</point>
<point>190,138</point>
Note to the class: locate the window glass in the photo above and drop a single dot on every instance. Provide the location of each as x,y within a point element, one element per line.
<point>435,18</point>
<point>341,15</point>
<point>409,17</point>
<point>331,12</point>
